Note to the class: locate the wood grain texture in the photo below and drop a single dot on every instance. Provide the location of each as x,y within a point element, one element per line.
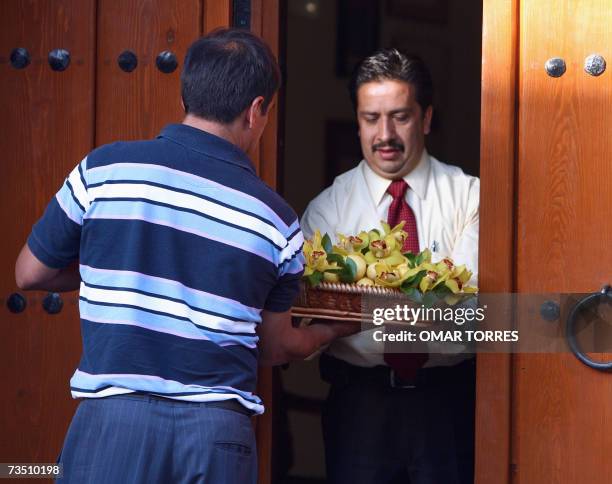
<point>217,13</point>
<point>265,22</point>
<point>47,128</point>
<point>137,105</point>
<point>563,418</point>
<point>497,219</point>
<point>268,164</point>
<point>257,19</point>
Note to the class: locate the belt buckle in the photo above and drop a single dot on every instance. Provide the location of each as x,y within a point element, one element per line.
<point>396,382</point>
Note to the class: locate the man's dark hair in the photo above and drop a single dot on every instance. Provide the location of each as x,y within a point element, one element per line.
<point>391,64</point>
<point>224,71</point>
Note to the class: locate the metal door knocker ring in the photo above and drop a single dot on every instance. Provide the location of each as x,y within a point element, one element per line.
<point>605,295</point>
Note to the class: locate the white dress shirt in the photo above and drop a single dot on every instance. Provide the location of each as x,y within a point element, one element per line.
<point>445,203</point>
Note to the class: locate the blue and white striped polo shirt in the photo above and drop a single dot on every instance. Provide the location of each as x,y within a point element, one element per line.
<point>180,246</point>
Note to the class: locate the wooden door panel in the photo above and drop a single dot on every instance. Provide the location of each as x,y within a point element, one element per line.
<point>217,13</point>
<point>51,121</point>
<point>265,22</point>
<point>562,423</point>
<point>268,28</point>
<point>138,104</point>
<point>565,149</point>
<point>496,247</point>
<point>47,129</point>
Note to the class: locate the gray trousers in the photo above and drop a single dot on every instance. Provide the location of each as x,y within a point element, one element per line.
<point>129,439</point>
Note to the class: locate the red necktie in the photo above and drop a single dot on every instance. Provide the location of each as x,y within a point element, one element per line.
<point>405,365</point>
<point>400,211</point>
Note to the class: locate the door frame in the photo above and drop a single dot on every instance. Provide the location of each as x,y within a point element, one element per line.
<point>265,22</point>
<point>497,247</point>
<point>497,244</point>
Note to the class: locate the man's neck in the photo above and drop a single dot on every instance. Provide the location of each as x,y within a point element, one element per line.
<point>227,132</point>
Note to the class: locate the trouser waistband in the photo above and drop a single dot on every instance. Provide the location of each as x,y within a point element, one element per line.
<point>231,404</point>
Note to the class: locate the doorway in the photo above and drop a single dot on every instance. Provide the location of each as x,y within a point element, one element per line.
<point>323,40</point>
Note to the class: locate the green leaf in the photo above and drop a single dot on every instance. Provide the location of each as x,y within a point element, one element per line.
<point>337,258</point>
<point>326,243</point>
<point>411,259</point>
<point>415,280</point>
<point>352,265</point>
<point>315,278</point>
<point>349,271</point>
<point>419,259</point>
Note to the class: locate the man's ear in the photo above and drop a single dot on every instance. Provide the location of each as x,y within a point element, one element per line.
<point>255,111</point>
<point>427,120</point>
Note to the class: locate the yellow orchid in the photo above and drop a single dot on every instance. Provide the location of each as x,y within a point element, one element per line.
<point>382,248</point>
<point>436,275</point>
<point>336,249</point>
<point>353,243</point>
<point>457,280</point>
<point>397,232</point>
<point>374,234</point>
<point>393,258</point>
<point>376,258</point>
<point>425,256</point>
<point>387,276</point>
<point>428,281</point>
<point>315,255</point>
<point>390,276</point>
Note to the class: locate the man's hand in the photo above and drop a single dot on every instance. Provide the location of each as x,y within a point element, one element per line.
<point>280,342</point>
<point>31,274</point>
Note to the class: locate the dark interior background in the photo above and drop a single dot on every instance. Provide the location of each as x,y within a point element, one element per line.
<point>323,41</point>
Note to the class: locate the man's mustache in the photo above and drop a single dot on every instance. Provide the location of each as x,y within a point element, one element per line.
<point>394,145</point>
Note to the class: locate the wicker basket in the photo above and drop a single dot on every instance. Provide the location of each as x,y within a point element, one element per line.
<point>338,301</point>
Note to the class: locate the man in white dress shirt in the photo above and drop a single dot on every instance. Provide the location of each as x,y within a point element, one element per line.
<point>379,427</point>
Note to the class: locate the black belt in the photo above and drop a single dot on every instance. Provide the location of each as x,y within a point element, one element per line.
<point>231,404</point>
<point>339,372</point>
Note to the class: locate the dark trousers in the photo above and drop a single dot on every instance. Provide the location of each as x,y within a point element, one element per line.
<point>376,434</point>
<point>129,440</point>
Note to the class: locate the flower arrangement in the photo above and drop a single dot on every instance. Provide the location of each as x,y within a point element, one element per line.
<point>375,258</point>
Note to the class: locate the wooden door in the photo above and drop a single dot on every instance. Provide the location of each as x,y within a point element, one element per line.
<point>547,188</point>
<point>138,104</point>
<point>50,121</point>
<point>563,432</point>
<point>47,128</point>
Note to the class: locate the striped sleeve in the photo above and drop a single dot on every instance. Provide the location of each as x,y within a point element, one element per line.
<point>55,238</point>
<point>290,272</point>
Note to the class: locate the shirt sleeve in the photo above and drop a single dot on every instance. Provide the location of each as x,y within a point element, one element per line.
<point>55,237</point>
<point>290,272</point>
<point>321,215</point>
<point>466,245</point>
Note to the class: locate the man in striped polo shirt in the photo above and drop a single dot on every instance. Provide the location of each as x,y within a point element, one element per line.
<point>187,265</point>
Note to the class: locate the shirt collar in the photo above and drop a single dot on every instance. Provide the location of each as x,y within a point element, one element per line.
<point>417,179</point>
<point>207,144</point>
